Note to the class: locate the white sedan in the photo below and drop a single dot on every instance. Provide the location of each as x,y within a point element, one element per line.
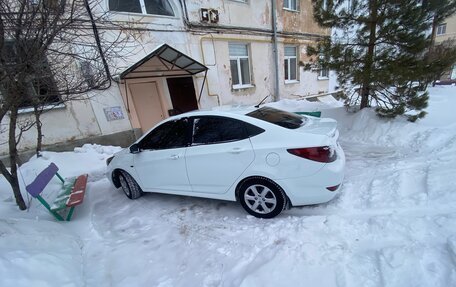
<point>267,159</point>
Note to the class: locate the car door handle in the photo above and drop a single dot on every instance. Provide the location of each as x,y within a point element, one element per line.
<point>174,156</point>
<point>236,150</point>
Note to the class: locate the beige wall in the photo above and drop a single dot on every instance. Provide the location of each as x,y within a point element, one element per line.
<point>298,21</point>
<point>214,53</point>
<point>212,50</point>
<point>73,121</point>
<point>257,14</point>
<point>449,35</point>
<point>253,13</point>
<point>450,30</point>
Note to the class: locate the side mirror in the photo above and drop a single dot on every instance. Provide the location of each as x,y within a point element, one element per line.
<point>134,148</point>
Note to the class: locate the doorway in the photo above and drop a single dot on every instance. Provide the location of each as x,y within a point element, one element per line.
<point>182,93</point>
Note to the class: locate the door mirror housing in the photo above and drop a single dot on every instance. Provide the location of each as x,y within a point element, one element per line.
<point>134,148</point>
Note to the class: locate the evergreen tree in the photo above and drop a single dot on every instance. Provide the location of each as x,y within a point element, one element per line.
<point>382,48</point>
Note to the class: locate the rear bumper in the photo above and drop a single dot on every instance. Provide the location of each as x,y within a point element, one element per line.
<point>313,189</point>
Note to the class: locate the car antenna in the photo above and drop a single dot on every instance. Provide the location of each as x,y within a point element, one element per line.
<point>257,106</point>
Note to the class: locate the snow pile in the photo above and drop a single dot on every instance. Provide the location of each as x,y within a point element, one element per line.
<point>392,224</point>
<point>86,159</point>
<point>39,253</point>
<point>303,105</point>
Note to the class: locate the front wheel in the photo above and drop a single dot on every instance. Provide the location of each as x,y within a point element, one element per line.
<point>129,185</point>
<point>262,198</point>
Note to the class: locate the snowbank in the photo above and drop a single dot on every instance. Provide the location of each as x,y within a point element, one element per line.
<point>393,223</point>
<point>39,253</point>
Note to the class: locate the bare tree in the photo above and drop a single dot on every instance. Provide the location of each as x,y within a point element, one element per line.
<point>51,52</point>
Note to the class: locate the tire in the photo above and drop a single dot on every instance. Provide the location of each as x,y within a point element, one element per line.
<point>129,185</point>
<point>262,198</point>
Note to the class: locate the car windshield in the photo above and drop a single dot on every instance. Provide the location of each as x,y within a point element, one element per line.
<point>278,117</point>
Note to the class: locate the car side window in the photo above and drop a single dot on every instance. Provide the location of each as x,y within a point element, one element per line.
<point>172,134</point>
<point>253,130</point>
<point>212,129</point>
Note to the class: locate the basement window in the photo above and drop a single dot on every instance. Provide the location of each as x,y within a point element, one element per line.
<point>148,7</point>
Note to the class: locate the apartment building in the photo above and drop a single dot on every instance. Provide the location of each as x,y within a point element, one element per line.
<point>447,31</point>
<point>191,54</point>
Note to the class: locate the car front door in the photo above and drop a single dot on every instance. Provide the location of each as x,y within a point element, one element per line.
<point>220,152</point>
<point>160,164</point>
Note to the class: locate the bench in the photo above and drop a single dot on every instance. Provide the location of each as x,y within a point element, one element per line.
<point>71,194</point>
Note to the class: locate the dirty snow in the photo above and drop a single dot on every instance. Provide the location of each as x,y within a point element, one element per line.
<point>393,223</point>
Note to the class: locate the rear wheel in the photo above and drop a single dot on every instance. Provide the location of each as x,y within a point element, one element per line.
<point>262,198</point>
<point>129,185</point>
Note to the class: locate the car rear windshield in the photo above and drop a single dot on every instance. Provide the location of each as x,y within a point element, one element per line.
<point>278,117</point>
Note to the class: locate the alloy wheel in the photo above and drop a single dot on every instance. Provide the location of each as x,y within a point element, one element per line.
<point>260,199</point>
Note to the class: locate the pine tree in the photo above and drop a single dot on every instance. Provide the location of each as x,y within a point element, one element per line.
<point>382,49</point>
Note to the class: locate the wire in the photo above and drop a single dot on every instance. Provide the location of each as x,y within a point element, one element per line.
<point>97,40</point>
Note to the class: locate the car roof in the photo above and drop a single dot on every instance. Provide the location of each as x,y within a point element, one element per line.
<point>234,112</point>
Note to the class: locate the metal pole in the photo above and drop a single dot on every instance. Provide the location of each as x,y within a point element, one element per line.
<point>274,50</point>
<point>202,86</point>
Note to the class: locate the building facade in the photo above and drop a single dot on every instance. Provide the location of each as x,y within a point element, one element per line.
<point>247,50</point>
<point>447,31</point>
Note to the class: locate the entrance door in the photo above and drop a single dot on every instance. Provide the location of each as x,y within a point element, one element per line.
<point>147,104</point>
<point>182,92</point>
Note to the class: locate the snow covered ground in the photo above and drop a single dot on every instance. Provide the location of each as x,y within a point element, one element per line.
<point>393,223</point>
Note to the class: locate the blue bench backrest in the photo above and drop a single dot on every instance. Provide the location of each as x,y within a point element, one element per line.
<point>40,182</point>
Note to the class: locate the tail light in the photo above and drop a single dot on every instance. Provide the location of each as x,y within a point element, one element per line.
<point>320,154</point>
<point>333,188</point>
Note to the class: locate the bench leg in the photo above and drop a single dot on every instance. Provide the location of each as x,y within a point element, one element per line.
<point>70,214</point>
<point>60,177</point>
<point>43,202</point>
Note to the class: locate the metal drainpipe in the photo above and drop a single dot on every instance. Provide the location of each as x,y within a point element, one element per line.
<point>274,50</point>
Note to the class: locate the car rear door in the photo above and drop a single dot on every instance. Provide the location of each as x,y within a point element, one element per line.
<point>220,152</point>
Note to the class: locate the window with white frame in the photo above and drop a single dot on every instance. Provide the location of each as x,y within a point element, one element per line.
<point>151,7</point>
<point>323,73</point>
<point>239,64</point>
<point>291,5</point>
<point>291,64</point>
<point>441,29</point>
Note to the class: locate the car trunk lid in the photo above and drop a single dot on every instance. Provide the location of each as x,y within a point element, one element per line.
<point>323,126</point>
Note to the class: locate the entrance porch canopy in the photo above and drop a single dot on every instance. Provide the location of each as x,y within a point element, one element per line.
<point>164,61</point>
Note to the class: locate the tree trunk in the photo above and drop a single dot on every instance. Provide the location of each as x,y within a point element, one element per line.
<point>433,34</point>
<point>364,96</point>
<point>13,180</point>
<point>39,131</point>
<point>369,59</point>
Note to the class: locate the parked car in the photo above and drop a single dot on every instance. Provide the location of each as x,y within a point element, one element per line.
<point>265,158</point>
